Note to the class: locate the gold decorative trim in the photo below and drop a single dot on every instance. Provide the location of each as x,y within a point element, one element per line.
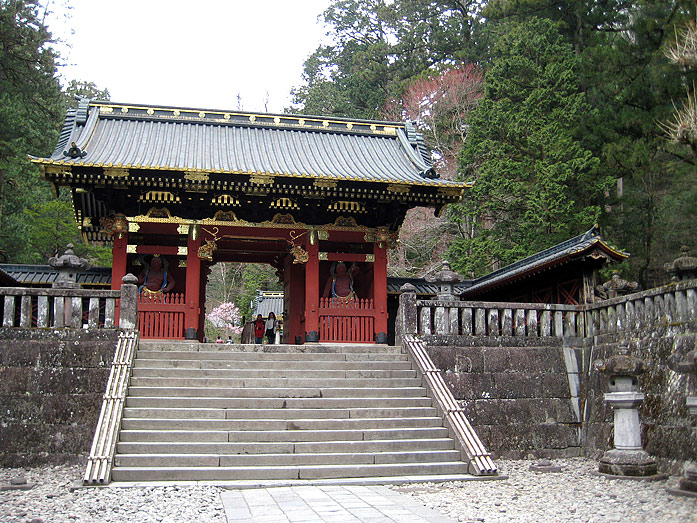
<point>66,171</point>
<point>225,199</point>
<point>370,258</point>
<point>278,219</point>
<point>117,172</point>
<point>261,179</point>
<point>87,222</point>
<point>106,110</point>
<point>225,217</point>
<point>344,221</point>
<point>182,251</point>
<point>324,184</point>
<point>323,235</point>
<point>159,196</point>
<point>131,249</point>
<point>451,191</point>
<point>347,206</point>
<point>133,227</point>
<point>182,263</point>
<point>195,176</point>
<point>157,215</point>
<point>369,237</point>
<point>116,225</point>
<point>398,188</point>
<point>183,229</point>
<point>323,256</point>
<point>124,110</point>
<point>284,203</point>
<point>176,112</point>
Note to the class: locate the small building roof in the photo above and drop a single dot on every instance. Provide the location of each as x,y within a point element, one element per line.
<point>128,136</point>
<point>45,275</point>
<point>589,243</point>
<point>268,301</point>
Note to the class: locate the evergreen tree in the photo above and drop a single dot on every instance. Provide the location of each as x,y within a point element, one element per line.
<point>535,184</point>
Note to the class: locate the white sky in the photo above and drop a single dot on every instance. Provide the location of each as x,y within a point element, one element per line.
<point>189,53</point>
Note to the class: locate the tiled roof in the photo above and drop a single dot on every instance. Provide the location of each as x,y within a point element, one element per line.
<point>129,136</point>
<point>45,275</point>
<point>554,255</point>
<point>423,288</point>
<point>268,301</point>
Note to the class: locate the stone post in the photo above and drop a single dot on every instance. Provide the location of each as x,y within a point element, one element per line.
<point>687,365</point>
<point>407,320</point>
<point>129,302</point>
<point>628,457</point>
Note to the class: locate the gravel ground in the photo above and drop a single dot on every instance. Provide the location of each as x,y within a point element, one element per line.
<point>571,495</point>
<point>574,494</point>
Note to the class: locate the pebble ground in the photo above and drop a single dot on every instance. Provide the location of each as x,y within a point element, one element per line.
<point>573,495</point>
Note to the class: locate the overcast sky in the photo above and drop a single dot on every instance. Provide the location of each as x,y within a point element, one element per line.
<point>190,53</point>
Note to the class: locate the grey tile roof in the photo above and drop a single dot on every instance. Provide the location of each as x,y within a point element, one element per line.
<point>268,301</point>
<point>554,255</point>
<point>45,275</point>
<point>131,136</point>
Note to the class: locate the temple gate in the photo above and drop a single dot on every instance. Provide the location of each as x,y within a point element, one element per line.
<point>175,190</point>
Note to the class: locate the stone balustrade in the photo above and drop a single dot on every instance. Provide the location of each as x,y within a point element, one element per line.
<point>69,307</point>
<point>668,305</point>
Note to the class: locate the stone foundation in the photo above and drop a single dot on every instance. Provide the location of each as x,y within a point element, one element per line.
<point>51,386</point>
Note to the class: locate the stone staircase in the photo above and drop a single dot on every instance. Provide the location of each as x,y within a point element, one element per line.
<point>257,413</point>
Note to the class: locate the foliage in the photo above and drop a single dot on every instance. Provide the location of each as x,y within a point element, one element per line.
<point>535,182</point>
<point>30,114</point>
<point>78,89</point>
<point>379,44</point>
<point>439,104</point>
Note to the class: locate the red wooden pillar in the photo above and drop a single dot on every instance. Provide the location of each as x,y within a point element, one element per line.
<point>380,292</point>
<point>294,301</point>
<point>119,231</point>
<point>312,290</point>
<point>193,285</point>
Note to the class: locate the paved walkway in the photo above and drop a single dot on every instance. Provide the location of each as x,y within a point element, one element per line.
<point>329,503</point>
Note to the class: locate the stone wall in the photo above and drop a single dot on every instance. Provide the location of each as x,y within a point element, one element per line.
<point>51,387</point>
<point>668,432</point>
<point>515,392</point>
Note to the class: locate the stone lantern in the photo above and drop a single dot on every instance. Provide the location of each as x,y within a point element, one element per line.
<point>687,365</point>
<point>628,457</point>
<point>617,286</point>
<point>68,266</point>
<point>446,279</point>
<point>683,267</point>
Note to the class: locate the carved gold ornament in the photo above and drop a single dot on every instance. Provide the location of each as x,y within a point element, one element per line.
<point>115,226</point>
<point>205,251</point>
<point>117,173</point>
<point>300,255</point>
<point>194,176</point>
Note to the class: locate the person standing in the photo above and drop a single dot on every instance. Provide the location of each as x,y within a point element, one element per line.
<point>271,325</point>
<point>259,327</point>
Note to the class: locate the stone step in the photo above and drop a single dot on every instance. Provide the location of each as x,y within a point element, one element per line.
<point>262,436</point>
<point>275,403</point>
<point>207,413</point>
<point>266,392</point>
<point>274,383</point>
<point>168,345</point>
<point>270,356</point>
<point>264,460</point>
<point>149,423</point>
<point>307,472</point>
<point>272,365</point>
<point>306,447</point>
<point>268,373</point>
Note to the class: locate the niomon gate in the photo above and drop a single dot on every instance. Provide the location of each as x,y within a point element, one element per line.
<point>197,187</point>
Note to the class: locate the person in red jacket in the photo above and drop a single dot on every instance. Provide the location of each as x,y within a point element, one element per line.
<point>259,329</point>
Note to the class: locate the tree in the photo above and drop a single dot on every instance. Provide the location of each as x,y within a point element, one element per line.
<point>30,114</point>
<point>535,182</point>
<point>378,45</point>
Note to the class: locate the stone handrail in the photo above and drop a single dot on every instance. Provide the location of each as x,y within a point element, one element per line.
<point>668,305</point>
<point>100,460</point>
<point>480,462</point>
<point>69,308</point>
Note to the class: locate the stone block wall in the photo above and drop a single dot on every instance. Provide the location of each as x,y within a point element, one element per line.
<point>668,431</point>
<point>515,393</point>
<point>51,386</point>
